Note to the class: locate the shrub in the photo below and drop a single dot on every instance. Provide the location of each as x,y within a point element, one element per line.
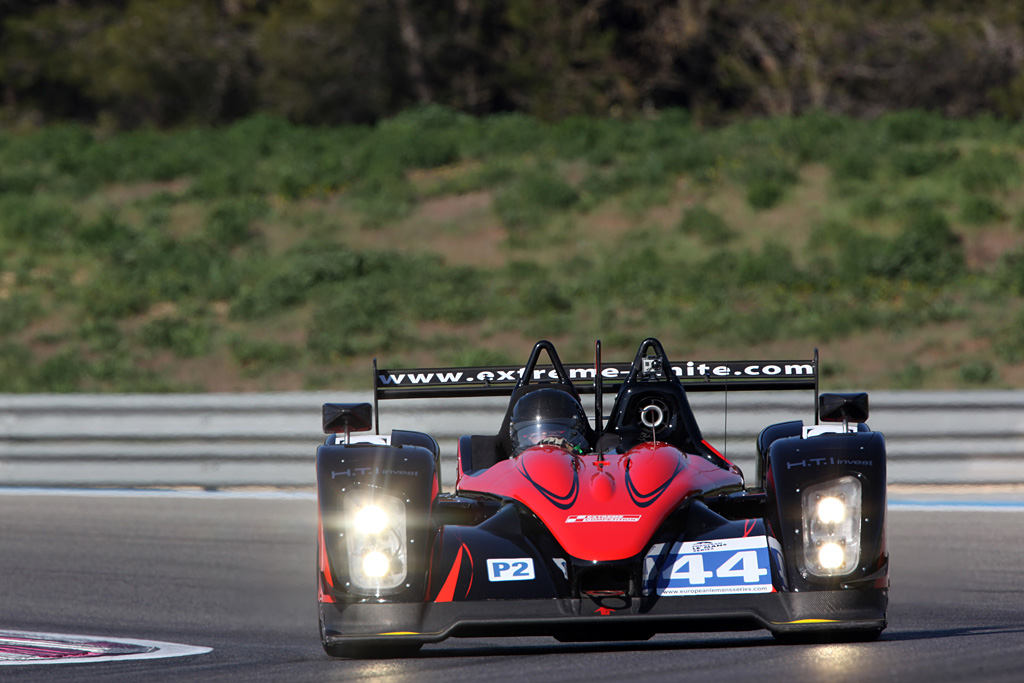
<point>767,173</point>
<point>185,337</point>
<point>927,250</point>
<point>977,372</point>
<point>988,171</point>
<point>529,201</point>
<point>978,210</point>
<point>60,373</point>
<point>15,367</point>
<point>706,225</point>
<point>106,232</point>
<point>911,376</point>
<point>511,133</point>
<point>854,163</point>
<point>1009,274</point>
<point>918,161</point>
<point>18,310</point>
<point>256,355</point>
<point>38,220</point>
<point>764,194</point>
<point>229,223</point>
<point>295,277</point>
<point>358,321</point>
<point>382,196</point>
<point>1008,341</point>
<point>914,126</point>
<point>422,137</point>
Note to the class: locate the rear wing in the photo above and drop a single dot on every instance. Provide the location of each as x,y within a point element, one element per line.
<point>594,378</point>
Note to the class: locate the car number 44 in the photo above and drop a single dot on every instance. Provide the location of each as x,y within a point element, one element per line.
<point>741,565</point>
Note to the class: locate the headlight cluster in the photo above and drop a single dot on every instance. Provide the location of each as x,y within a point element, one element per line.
<point>376,538</point>
<point>831,527</point>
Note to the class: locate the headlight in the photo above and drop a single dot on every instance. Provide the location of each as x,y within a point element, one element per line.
<point>376,541</point>
<point>831,527</point>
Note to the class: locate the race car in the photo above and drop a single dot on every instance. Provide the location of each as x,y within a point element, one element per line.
<point>610,527</point>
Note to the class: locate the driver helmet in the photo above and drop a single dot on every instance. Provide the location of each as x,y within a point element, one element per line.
<point>548,416</point>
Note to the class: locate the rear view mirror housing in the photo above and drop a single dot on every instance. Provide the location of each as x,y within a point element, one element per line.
<point>843,407</point>
<point>347,417</point>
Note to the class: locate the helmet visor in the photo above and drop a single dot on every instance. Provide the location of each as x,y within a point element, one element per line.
<point>549,431</point>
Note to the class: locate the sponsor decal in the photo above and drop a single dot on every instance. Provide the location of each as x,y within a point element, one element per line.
<point>577,372</point>
<point>363,471</point>
<point>719,567</point>
<point>577,519</point>
<point>832,460</point>
<point>706,546</point>
<point>563,565</point>
<point>510,569</point>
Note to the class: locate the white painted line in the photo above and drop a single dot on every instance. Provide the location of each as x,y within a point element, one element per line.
<point>22,648</point>
<point>956,506</point>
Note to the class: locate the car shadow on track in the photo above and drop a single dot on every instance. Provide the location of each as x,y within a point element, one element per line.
<point>490,649</point>
<point>956,632</point>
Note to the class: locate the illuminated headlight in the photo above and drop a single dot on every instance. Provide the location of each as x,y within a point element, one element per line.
<point>831,527</point>
<point>376,540</point>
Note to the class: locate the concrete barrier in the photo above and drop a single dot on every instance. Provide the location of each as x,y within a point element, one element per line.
<point>228,440</point>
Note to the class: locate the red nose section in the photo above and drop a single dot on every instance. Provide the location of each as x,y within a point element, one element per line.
<point>603,507</point>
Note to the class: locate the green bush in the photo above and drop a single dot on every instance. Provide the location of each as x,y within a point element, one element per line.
<point>296,276</point>
<point>229,223</point>
<point>1008,340</point>
<point>914,126</point>
<point>979,210</point>
<point>707,225</point>
<point>766,173</point>
<point>39,220</point>
<point>532,198</point>
<point>507,134</point>
<point>927,250</point>
<point>854,163</point>
<point>423,137</point>
<point>764,194</point>
<point>255,355</point>
<point>1009,274</point>
<point>382,196</point>
<point>185,337</point>
<point>106,232</point>
<point>977,372</point>
<point>62,372</point>
<point>16,362</point>
<point>911,376</point>
<point>358,320</point>
<point>988,171</point>
<point>918,161</point>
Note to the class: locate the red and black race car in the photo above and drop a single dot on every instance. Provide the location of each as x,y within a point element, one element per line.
<point>616,528</point>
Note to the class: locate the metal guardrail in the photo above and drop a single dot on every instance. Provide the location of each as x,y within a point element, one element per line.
<point>229,440</point>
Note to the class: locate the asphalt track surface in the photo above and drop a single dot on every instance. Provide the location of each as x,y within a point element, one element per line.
<point>236,575</point>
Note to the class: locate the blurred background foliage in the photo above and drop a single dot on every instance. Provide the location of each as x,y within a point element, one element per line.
<point>127,63</point>
<point>264,195</point>
<point>266,255</point>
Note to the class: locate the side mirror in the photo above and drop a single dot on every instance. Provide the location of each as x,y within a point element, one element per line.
<point>843,407</point>
<point>347,417</point>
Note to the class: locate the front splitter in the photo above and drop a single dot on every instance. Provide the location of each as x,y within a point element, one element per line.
<point>619,617</point>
